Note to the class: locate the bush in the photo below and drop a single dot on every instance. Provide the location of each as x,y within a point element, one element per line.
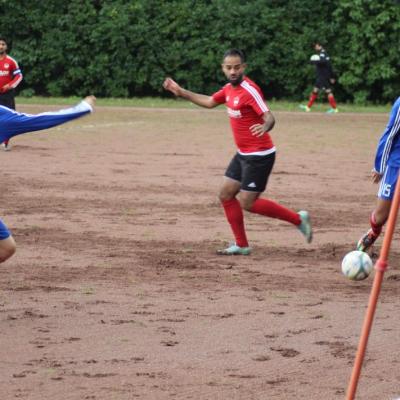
<point>125,48</point>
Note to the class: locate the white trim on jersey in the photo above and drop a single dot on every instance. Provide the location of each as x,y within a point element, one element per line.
<point>17,82</point>
<point>389,141</point>
<point>254,93</point>
<point>258,153</point>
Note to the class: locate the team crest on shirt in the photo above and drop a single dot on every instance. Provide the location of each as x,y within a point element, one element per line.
<point>6,65</point>
<point>236,101</point>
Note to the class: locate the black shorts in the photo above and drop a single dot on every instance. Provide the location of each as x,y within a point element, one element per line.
<point>251,171</point>
<point>7,99</point>
<point>323,83</point>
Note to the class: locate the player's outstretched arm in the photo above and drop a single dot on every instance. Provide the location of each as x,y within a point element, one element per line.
<point>14,123</point>
<point>201,100</point>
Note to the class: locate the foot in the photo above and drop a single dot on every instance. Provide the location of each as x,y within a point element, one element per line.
<point>234,250</point>
<point>366,242</point>
<point>6,146</point>
<point>305,108</point>
<point>305,225</point>
<point>332,111</point>
<point>91,100</point>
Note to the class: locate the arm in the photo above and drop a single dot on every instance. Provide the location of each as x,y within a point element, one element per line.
<point>384,149</point>
<point>269,122</point>
<point>196,98</point>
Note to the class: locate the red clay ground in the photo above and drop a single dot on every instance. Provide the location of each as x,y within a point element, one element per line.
<point>116,291</point>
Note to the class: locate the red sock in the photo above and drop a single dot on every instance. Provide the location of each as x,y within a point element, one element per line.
<point>234,215</point>
<point>6,142</point>
<point>274,210</point>
<point>332,100</point>
<point>377,229</point>
<point>313,97</point>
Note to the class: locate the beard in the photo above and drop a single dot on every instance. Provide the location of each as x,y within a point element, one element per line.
<point>236,81</point>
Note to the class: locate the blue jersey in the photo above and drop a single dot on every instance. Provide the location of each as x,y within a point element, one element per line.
<point>388,151</point>
<point>13,123</point>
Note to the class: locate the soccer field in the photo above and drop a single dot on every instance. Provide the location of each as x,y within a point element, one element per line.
<point>116,291</point>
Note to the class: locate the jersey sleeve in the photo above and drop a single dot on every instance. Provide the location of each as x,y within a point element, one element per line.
<point>256,99</point>
<point>219,96</point>
<point>16,75</point>
<point>385,144</point>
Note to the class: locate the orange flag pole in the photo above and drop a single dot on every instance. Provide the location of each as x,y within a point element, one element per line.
<point>380,267</point>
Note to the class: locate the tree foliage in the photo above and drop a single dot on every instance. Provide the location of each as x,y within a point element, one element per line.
<point>122,48</point>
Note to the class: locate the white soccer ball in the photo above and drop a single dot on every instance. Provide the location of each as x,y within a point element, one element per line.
<point>357,265</point>
<point>314,57</point>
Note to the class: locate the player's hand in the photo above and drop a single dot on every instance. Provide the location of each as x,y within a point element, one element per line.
<point>333,81</point>
<point>172,86</point>
<point>258,130</point>
<point>376,176</point>
<point>91,100</point>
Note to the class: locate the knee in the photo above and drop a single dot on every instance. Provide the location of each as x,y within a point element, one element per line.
<point>7,249</point>
<point>225,195</point>
<point>246,203</point>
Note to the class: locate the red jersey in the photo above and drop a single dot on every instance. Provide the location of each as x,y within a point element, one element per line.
<point>246,107</point>
<point>10,73</point>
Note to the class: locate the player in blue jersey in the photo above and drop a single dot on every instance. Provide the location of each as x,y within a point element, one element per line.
<point>386,171</point>
<point>13,123</point>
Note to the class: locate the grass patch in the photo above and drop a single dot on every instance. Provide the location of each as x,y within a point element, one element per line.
<point>158,102</point>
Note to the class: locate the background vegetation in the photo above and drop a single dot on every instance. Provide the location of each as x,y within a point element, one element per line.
<point>125,48</point>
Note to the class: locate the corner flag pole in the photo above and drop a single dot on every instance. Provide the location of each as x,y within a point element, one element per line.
<point>380,267</point>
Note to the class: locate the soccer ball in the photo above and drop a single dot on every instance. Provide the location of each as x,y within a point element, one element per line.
<point>314,57</point>
<point>357,265</point>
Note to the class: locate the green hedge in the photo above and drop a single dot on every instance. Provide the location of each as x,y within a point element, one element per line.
<point>124,48</point>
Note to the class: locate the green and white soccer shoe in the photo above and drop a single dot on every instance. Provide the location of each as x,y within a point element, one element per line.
<point>304,108</point>
<point>234,250</point>
<point>305,226</point>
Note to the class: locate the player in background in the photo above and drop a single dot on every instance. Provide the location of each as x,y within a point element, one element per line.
<point>10,78</point>
<point>325,78</point>
<point>386,171</point>
<point>13,123</point>
<point>247,174</point>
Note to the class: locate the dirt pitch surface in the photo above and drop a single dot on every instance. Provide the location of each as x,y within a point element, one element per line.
<point>116,291</point>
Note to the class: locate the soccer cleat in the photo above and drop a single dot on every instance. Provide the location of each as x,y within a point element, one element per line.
<point>332,111</point>
<point>305,108</point>
<point>6,146</point>
<point>234,250</point>
<point>305,225</point>
<point>366,242</point>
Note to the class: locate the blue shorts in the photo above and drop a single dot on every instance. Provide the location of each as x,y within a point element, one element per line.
<point>388,183</point>
<point>4,232</point>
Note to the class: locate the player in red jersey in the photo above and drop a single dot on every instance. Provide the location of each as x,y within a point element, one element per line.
<point>247,174</point>
<point>10,78</point>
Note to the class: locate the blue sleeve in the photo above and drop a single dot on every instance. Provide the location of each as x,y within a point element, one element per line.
<point>13,123</point>
<point>386,141</point>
